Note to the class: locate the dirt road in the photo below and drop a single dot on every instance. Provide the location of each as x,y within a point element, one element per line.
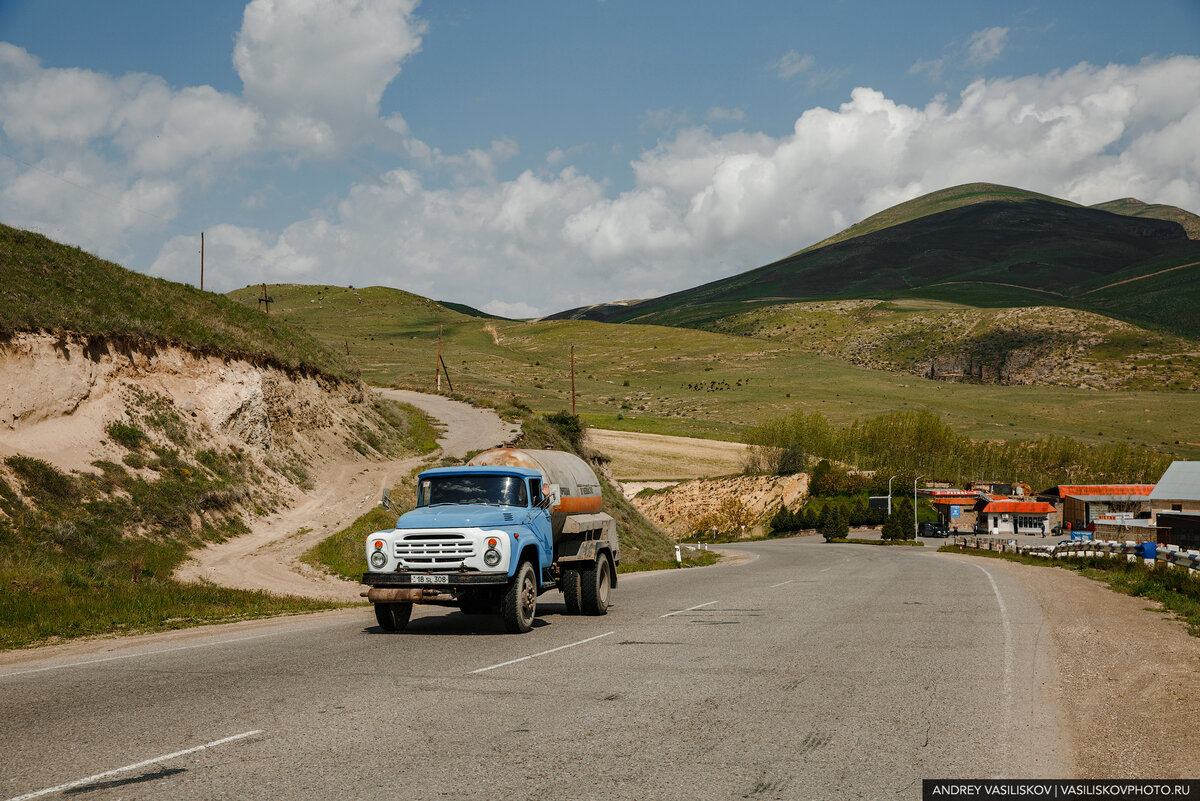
<point>268,558</point>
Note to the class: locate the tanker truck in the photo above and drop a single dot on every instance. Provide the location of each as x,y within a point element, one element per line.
<point>490,536</point>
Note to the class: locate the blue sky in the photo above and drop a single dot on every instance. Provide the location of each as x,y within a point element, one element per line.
<point>526,157</point>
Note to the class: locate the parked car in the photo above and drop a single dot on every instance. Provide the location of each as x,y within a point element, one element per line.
<point>933,530</point>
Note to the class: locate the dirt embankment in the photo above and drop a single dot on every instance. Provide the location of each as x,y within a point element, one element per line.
<point>726,502</point>
<point>309,439</point>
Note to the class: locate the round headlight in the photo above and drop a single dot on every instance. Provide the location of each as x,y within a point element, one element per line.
<point>378,559</point>
<point>491,557</point>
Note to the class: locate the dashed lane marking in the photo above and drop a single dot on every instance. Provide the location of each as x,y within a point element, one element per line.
<point>542,653</point>
<point>135,766</point>
<point>689,609</point>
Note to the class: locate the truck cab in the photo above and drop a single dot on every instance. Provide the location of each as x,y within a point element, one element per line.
<point>490,538</point>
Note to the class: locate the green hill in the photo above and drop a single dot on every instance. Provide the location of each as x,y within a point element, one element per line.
<point>978,244</point>
<point>49,286</point>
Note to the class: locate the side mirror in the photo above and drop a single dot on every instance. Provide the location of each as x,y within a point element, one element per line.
<point>551,496</point>
<point>386,503</point>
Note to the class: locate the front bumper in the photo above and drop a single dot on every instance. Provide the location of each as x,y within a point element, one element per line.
<point>403,578</point>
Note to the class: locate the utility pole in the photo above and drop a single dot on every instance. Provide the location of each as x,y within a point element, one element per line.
<point>572,379</point>
<point>890,496</point>
<point>201,261</point>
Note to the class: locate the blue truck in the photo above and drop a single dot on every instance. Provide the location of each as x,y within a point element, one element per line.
<point>490,536</point>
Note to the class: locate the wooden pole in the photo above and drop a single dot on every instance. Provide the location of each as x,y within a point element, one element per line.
<point>201,261</point>
<point>572,379</point>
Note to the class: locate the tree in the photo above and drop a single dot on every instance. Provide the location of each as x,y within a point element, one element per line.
<point>834,524</point>
<point>894,527</point>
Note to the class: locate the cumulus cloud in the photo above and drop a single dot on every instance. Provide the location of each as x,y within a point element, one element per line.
<point>985,46</point>
<point>318,68</point>
<point>703,206</point>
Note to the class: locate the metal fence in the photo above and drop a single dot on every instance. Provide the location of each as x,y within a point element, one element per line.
<point>1132,551</point>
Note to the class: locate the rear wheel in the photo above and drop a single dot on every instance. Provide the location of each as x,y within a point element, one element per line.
<point>393,617</point>
<point>572,590</point>
<point>520,602</point>
<point>596,583</point>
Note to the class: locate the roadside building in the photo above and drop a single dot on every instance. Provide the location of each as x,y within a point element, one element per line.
<point>1081,505</point>
<point>1175,505</point>
<point>955,508</point>
<point>1003,517</point>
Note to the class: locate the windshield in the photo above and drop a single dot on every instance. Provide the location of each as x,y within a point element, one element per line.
<point>490,490</point>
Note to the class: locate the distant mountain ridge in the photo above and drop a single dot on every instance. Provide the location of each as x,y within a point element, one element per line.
<point>998,245</point>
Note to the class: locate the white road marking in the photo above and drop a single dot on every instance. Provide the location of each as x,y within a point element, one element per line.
<point>1008,664</point>
<point>135,766</point>
<point>780,584</point>
<point>139,653</point>
<point>541,653</point>
<point>690,608</point>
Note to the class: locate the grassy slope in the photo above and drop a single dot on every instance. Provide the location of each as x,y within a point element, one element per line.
<point>54,287</point>
<point>684,381</point>
<point>94,553</point>
<point>942,200</point>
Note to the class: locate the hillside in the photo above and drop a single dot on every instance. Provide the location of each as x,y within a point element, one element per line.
<point>980,244</point>
<point>49,286</point>
<point>1043,345</point>
<point>140,419</point>
<point>674,380</point>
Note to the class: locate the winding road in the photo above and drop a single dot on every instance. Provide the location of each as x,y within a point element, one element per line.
<point>811,671</point>
<point>268,558</point>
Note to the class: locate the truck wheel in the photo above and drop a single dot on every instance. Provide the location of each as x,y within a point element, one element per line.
<point>393,617</point>
<point>520,602</point>
<point>572,589</point>
<point>596,583</point>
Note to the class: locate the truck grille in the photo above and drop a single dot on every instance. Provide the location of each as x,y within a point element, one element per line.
<point>433,550</point>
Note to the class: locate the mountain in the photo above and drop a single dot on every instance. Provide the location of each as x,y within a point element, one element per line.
<point>978,244</point>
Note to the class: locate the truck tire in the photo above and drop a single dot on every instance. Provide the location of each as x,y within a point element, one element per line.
<point>572,589</point>
<point>520,601</point>
<point>393,617</point>
<point>595,583</point>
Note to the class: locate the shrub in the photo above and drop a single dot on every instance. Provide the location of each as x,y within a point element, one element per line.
<point>127,435</point>
<point>833,523</point>
<point>570,426</point>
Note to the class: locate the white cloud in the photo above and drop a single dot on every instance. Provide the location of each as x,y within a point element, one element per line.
<point>318,68</point>
<point>791,64</point>
<point>985,46</point>
<point>703,206</point>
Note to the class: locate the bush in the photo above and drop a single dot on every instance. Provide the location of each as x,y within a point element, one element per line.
<point>570,426</point>
<point>127,435</point>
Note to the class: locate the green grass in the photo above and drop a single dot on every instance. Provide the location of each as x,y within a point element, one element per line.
<point>93,554</point>
<point>48,286</point>
<point>1173,587</point>
<point>394,335</point>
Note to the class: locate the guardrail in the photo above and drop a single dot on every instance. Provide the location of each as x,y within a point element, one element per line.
<point>1133,551</point>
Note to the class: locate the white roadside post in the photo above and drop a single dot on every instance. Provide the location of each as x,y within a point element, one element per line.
<point>915,480</point>
<point>678,555</point>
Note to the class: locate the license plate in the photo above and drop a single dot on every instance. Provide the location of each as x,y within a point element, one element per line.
<point>420,578</point>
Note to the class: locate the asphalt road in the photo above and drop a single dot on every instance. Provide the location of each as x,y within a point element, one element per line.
<point>813,671</point>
